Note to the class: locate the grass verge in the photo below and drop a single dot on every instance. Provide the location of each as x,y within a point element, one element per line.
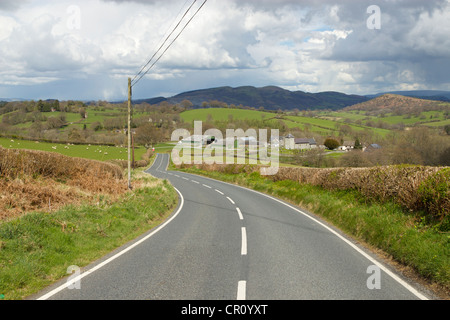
<point>37,248</point>
<point>404,237</point>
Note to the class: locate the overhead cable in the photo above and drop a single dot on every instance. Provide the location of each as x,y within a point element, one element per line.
<point>142,74</point>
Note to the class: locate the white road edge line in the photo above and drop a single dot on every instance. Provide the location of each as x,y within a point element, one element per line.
<point>88,272</point>
<point>244,241</point>
<point>241,290</point>
<point>240,214</point>
<point>371,259</point>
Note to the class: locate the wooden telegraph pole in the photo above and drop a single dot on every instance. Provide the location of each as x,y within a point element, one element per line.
<point>129,133</point>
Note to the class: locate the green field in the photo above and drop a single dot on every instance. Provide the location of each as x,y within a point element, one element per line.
<point>87,151</point>
<point>223,114</point>
<point>320,125</point>
<point>426,118</point>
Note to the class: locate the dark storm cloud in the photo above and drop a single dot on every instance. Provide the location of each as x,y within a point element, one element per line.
<point>11,5</point>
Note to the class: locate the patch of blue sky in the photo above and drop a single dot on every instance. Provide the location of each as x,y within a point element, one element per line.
<point>324,28</point>
<point>288,43</point>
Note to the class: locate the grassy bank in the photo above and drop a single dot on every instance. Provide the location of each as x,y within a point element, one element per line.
<point>91,214</point>
<point>406,237</point>
<point>37,249</point>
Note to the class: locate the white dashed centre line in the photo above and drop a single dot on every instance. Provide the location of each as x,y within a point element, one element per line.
<point>239,213</point>
<point>241,290</point>
<point>244,241</point>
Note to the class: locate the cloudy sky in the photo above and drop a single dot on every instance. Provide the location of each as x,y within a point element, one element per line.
<point>87,49</point>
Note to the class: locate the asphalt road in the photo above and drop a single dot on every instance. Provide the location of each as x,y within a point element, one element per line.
<point>231,243</point>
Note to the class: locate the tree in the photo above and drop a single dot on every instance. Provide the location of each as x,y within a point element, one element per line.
<point>186,104</point>
<point>447,129</point>
<point>75,135</point>
<point>82,112</point>
<point>331,144</point>
<point>40,106</point>
<point>55,105</point>
<point>445,158</point>
<point>96,126</point>
<point>358,145</point>
<point>54,123</point>
<point>355,159</point>
<point>148,135</point>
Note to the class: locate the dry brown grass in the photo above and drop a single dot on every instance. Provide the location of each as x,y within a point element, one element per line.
<point>413,187</point>
<point>37,180</point>
<point>398,183</point>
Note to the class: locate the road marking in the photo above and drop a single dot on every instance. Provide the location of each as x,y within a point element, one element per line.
<point>244,241</point>
<point>231,200</point>
<point>219,191</point>
<point>241,290</point>
<point>184,178</point>
<point>205,185</point>
<point>168,161</point>
<point>195,182</point>
<point>367,256</point>
<point>157,169</point>
<point>177,176</point>
<point>88,272</point>
<point>239,213</point>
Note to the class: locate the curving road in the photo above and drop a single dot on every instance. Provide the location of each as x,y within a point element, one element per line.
<point>228,242</point>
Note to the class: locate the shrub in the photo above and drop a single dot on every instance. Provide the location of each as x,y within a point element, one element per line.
<point>16,163</point>
<point>415,188</point>
<point>38,180</point>
<point>331,143</point>
<point>434,193</point>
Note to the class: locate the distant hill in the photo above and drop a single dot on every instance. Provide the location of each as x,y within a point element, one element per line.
<point>149,101</point>
<point>397,103</point>
<point>270,97</point>
<point>11,99</point>
<point>436,95</point>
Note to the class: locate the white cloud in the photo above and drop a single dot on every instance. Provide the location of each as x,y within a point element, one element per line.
<point>307,45</point>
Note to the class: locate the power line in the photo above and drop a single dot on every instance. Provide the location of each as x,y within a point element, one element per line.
<point>167,38</point>
<point>141,74</point>
<point>189,21</point>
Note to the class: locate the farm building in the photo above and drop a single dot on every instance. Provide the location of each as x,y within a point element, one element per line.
<point>347,146</point>
<point>290,142</point>
<point>372,147</point>
<point>198,141</point>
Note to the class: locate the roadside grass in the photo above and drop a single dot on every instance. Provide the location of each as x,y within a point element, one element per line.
<point>37,248</point>
<point>403,236</point>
